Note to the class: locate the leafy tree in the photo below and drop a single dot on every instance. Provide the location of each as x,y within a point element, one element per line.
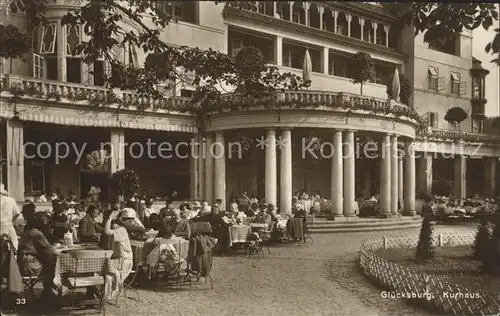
<point>442,20</point>
<point>13,43</point>
<point>124,182</point>
<point>425,247</point>
<point>455,115</point>
<point>405,91</point>
<point>364,70</point>
<point>482,241</point>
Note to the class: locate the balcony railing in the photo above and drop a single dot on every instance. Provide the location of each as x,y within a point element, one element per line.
<point>457,136</point>
<point>84,95</point>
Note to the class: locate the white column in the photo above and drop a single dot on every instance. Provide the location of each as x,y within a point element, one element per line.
<point>118,149</point>
<point>337,189</point>
<point>385,176</point>
<point>275,8</point>
<point>400,184</point>
<point>425,172</point>
<point>394,174</point>
<point>271,167</point>
<point>321,11</point>
<point>459,178</point>
<point>386,30</point>
<point>335,15</point>
<point>349,19</point>
<point>61,52</point>
<point>326,53</point>
<point>362,24</point>
<point>201,169</point>
<point>209,169</point>
<point>278,50</point>
<point>286,172</point>
<point>306,13</point>
<point>490,166</point>
<point>291,10</point>
<point>15,159</point>
<point>374,27</point>
<point>194,161</point>
<point>409,180</point>
<point>349,174</point>
<point>220,169</point>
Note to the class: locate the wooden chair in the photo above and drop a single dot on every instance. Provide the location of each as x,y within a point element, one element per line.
<point>171,269</point>
<point>84,263</point>
<point>128,284</point>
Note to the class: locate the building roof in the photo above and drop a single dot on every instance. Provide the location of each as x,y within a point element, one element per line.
<point>476,66</point>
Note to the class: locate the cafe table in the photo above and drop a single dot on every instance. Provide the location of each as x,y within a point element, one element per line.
<point>65,262</point>
<point>238,234</point>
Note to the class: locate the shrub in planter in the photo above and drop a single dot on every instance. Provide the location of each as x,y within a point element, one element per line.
<point>442,187</point>
<point>406,88</point>
<point>425,248</point>
<point>455,115</point>
<point>364,69</point>
<point>250,64</point>
<point>482,241</point>
<point>124,183</point>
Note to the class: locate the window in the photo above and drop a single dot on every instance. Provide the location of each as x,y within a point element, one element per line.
<point>297,17</point>
<point>38,66</point>
<point>35,177</point>
<point>455,82</point>
<point>433,78</point>
<point>293,56</point>
<point>477,125</point>
<point>48,39</point>
<point>98,73</point>
<point>433,119</point>
<point>447,46</point>
<point>186,11</point>
<point>73,39</point>
<point>186,93</point>
<point>476,88</point>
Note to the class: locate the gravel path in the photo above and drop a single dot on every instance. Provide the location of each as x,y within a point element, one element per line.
<point>311,279</point>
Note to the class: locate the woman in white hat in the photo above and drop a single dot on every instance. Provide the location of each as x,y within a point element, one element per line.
<point>10,212</point>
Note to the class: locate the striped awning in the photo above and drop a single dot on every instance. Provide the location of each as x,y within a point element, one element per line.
<point>106,119</point>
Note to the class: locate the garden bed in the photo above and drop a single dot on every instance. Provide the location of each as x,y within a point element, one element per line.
<point>453,264</point>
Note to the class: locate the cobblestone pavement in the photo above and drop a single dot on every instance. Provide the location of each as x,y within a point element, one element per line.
<point>312,279</point>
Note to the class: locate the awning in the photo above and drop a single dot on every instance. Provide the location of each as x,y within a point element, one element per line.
<point>455,76</point>
<point>103,118</point>
<point>433,71</point>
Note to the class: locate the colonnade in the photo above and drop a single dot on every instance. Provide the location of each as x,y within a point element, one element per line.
<point>397,174</point>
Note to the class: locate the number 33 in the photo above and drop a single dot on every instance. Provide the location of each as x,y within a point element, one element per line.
<point>21,301</point>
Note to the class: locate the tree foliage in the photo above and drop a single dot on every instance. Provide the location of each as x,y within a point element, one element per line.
<point>364,69</point>
<point>13,43</point>
<point>405,91</point>
<point>455,115</point>
<point>443,20</point>
<point>124,182</point>
<point>425,247</point>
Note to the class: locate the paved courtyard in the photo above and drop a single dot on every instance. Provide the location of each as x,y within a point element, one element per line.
<point>312,279</point>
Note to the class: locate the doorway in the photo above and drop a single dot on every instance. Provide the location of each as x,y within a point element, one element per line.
<point>94,178</point>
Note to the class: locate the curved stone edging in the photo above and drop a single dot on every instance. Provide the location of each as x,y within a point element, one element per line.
<point>423,286</point>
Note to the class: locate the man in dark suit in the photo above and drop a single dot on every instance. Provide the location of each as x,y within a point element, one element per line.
<point>88,227</point>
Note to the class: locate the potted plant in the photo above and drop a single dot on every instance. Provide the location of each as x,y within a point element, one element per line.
<point>124,184</point>
<point>364,70</point>
<point>455,116</point>
<point>405,91</point>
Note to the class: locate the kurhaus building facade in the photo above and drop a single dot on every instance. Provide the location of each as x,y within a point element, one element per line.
<point>51,100</point>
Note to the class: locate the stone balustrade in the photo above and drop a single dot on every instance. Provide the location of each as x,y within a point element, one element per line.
<point>67,92</point>
<point>454,135</point>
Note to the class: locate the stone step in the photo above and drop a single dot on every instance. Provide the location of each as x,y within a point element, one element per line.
<point>365,223</point>
<point>351,229</point>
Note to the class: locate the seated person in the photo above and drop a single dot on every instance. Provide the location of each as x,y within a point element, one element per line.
<point>35,254</point>
<point>88,227</point>
<point>130,221</point>
<point>59,220</point>
<point>149,210</point>
<point>122,258</point>
<point>252,210</point>
<point>165,210</point>
<point>166,254</point>
<point>154,222</point>
<point>179,226</point>
<point>193,211</point>
<point>263,216</point>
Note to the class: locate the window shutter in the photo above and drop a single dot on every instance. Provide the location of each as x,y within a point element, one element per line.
<point>441,84</point>
<point>38,66</point>
<point>463,87</point>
